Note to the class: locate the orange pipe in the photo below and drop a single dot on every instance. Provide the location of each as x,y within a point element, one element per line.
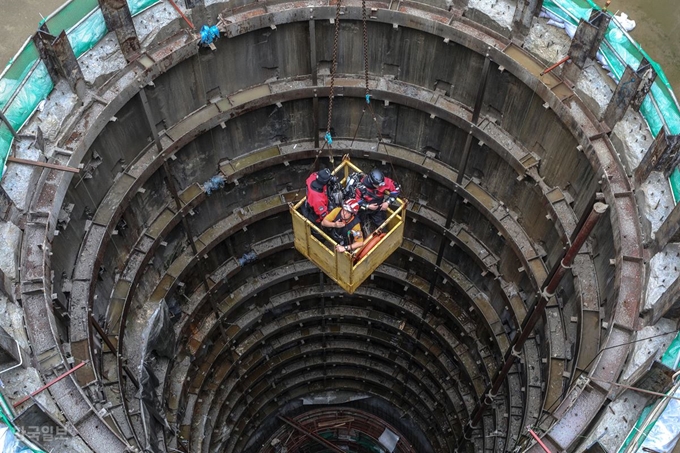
<point>49,384</point>
<point>186,19</point>
<point>538,439</point>
<point>562,61</point>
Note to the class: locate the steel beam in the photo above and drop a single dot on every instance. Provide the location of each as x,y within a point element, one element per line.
<point>119,19</point>
<point>36,163</point>
<point>582,43</point>
<point>662,155</point>
<point>585,44</point>
<point>315,79</point>
<point>625,91</point>
<point>525,11</point>
<point>60,61</point>
<point>112,348</point>
<point>49,384</point>
<point>669,231</point>
<point>601,20</point>
<point>648,74</point>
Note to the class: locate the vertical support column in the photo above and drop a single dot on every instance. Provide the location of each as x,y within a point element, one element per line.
<point>199,13</point>
<point>525,12</point>
<point>475,118</point>
<point>453,210</point>
<point>628,90</point>
<point>60,60</point>
<point>669,300</point>
<point>313,62</point>
<point>669,231</point>
<point>648,76</point>
<point>119,19</point>
<point>601,20</point>
<point>580,50</point>
<point>6,205</point>
<point>468,142</point>
<point>661,156</point>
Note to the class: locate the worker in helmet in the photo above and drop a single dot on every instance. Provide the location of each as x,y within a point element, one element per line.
<point>345,227</point>
<point>316,206</point>
<point>376,193</point>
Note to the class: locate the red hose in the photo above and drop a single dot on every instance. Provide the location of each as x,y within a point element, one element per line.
<point>182,14</point>
<point>368,246</point>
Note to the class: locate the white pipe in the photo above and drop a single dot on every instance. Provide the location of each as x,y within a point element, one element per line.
<point>21,362</point>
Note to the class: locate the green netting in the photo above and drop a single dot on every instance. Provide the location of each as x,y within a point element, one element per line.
<point>618,50</point>
<point>636,428</point>
<point>85,27</point>
<point>37,87</point>
<point>70,15</point>
<point>569,10</point>
<point>670,359</point>
<point>16,72</point>
<point>5,144</point>
<point>137,6</point>
<point>16,67</point>
<point>6,419</point>
<point>675,184</point>
<point>87,33</point>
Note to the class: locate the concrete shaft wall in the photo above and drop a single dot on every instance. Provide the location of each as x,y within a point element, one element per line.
<point>198,321</point>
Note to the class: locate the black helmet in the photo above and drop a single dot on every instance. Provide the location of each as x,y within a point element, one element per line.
<point>375,178</point>
<point>323,176</point>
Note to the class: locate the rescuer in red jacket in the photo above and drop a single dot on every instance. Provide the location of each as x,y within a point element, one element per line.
<point>375,194</point>
<point>316,206</point>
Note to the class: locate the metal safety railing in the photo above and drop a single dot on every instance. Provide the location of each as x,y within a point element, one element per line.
<point>342,267</point>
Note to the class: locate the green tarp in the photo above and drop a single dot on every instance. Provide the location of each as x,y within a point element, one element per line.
<point>85,27</point>
<point>619,50</point>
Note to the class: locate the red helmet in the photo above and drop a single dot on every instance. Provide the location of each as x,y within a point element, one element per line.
<point>351,206</point>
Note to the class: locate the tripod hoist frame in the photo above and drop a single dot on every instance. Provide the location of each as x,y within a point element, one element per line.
<point>348,270</point>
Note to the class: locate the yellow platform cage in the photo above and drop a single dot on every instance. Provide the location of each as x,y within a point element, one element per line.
<point>343,267</point>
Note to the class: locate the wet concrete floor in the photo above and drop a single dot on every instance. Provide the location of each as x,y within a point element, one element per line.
<point>658,28</point>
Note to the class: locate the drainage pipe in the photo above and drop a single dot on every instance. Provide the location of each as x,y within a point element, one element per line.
<point>537,313</point>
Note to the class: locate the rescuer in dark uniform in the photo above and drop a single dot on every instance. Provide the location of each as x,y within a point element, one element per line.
<point>316,206</point>
<point>345,227</point>
<point>375,194</point>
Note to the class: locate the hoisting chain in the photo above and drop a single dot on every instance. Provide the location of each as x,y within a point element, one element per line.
<point>328,137</point>
<point>368,95</point>
<point>363,17</point>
